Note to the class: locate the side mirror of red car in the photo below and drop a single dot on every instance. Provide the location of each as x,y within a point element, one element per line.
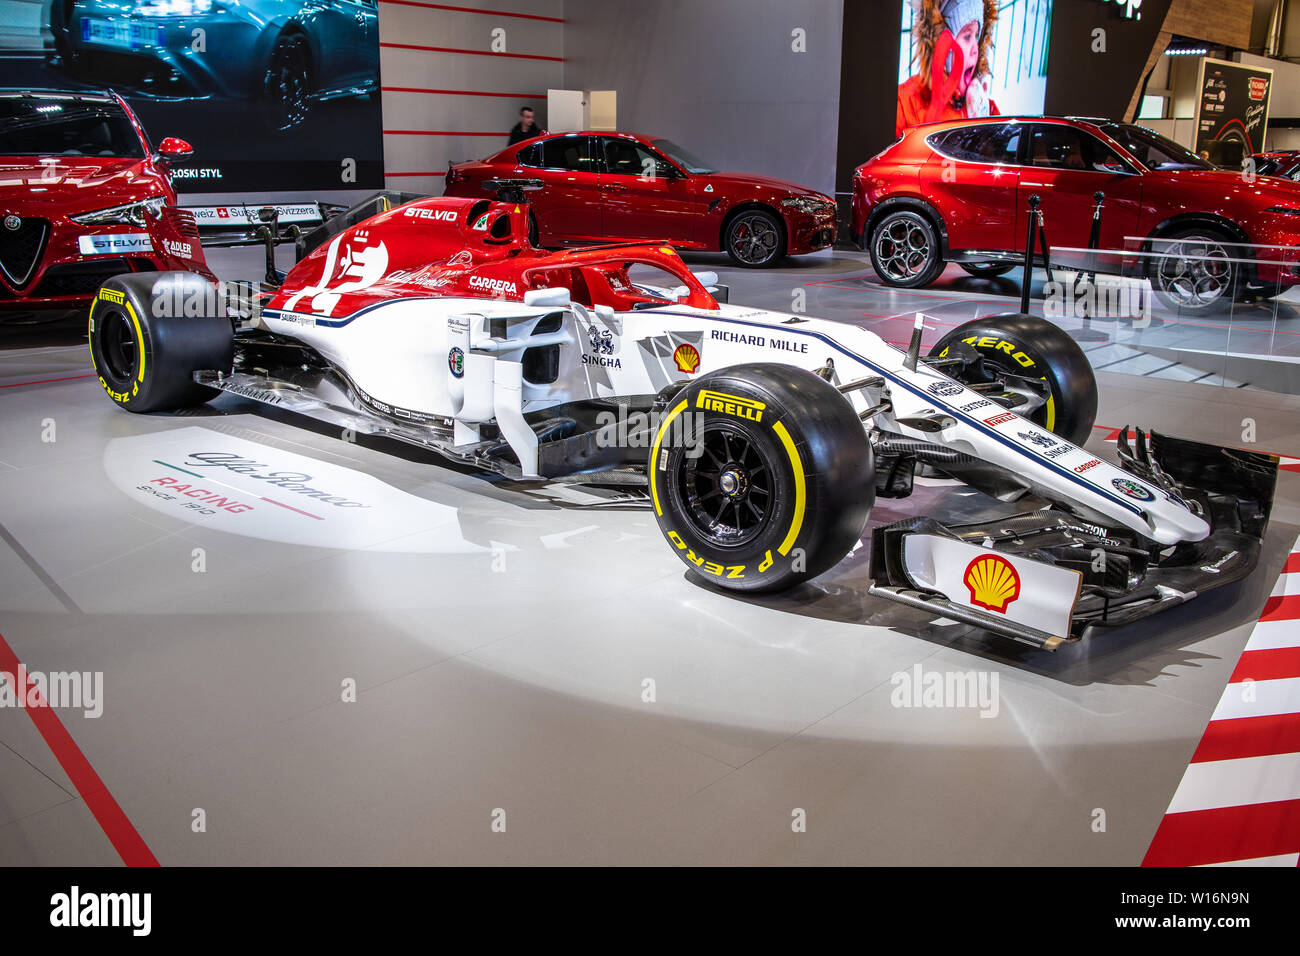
<point>173,148</point>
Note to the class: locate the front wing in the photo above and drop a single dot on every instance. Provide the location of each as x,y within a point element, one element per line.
<point>1047,577</point>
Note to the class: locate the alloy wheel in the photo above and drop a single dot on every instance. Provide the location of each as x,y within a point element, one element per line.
<point>903,247</point>
<point>1194,272</point>
<point>754,238</point>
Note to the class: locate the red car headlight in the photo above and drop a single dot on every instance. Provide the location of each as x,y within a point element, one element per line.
<point>132,213</point>
<point>808,205</point>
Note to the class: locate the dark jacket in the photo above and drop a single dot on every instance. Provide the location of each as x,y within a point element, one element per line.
<point>518,134</point>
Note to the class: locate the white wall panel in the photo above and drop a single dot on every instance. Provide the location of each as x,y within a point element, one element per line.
<point>462,74</point>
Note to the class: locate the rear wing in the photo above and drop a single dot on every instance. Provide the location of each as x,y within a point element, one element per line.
<point>340,218</point>
<point>243,224</point>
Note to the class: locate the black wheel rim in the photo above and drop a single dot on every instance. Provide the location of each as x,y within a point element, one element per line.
<point>118,349</point>
<point>727,489</point>
<point>288,82</point>
<point>902,247</point>
<point>754,239</point>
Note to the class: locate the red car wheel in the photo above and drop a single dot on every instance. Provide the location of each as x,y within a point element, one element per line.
<point>905,249</point>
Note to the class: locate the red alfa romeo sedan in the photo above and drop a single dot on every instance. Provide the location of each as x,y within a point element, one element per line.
<point>958,191</point>
<point>598,187</point>
<point>83,197</point>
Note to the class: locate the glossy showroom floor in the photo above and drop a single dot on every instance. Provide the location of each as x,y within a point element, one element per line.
<point>500,641</point>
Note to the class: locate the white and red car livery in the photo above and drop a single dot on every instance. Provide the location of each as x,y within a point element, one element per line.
<point>766,436</point>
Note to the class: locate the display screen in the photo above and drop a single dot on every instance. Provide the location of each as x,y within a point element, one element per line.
<point>272,94</point>
<point>1232,112</point>
<point>52,126</point>
<point>968,58</point>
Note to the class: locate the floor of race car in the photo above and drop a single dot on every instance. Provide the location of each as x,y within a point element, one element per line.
<point>526,660</point>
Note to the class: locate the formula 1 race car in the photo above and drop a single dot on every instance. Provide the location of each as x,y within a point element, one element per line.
<point>761,439</point>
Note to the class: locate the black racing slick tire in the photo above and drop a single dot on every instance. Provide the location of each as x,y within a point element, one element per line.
<point>761,477</point>
<point>150,332</point>
<point>1034,348</point>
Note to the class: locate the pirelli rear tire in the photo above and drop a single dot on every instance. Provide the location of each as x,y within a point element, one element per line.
<point>1034,348</point>
<point>761,477</point>
<point>150,332</point>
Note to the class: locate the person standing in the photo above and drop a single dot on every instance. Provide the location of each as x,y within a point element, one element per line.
<point>526,128</point>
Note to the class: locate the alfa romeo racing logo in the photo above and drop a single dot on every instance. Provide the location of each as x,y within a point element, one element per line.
<point>1133,489</point>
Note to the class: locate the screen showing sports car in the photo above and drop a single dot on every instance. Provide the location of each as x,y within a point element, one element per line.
<point>272,94</point>
<point>64,128</point>
<point>960,59</point>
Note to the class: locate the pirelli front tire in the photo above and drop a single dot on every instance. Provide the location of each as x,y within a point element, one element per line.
<point>1034,348</point>
<point>150,332</point>
<point>761,477</point>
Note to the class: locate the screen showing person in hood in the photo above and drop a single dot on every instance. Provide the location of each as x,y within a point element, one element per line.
<point>960,59</point>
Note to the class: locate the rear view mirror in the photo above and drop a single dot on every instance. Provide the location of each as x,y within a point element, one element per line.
<point>173,148</point>
<point>547,298</point>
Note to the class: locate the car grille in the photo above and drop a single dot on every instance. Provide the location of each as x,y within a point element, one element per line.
<point>20,249</point>
<point>83,278</point>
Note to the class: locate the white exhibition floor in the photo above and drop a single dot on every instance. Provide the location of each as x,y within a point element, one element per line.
<point>501,640</point>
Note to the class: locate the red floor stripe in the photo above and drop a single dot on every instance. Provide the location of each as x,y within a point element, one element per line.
<point>495,13</point>
<point>419,89</point>
<point>291,508</point>
<point>113,821</point>
<point>1292,565</point>
<point>1275,663</point>
<point>449,49</point>
<point>1282,608</point>
<point>1249,737</point>
<point>46,381</point>
<point>1225,834</point>
<point>437,132</point>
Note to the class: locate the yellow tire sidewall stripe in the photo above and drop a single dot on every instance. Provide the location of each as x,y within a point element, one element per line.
<point>654,454</point>
<point>90,335</point>
<point>796,467</point>
<point>800,489</point>
<point>139,334</point>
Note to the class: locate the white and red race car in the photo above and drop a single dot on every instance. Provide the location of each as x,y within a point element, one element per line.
<point>762,439</point>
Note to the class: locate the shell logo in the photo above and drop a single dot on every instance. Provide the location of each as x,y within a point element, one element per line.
<point>992,581</point>
<point>687,358</point>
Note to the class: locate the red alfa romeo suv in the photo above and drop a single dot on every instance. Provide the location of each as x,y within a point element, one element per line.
<point>597,187</point>
<point>83,197</point>
<point>957,192</point>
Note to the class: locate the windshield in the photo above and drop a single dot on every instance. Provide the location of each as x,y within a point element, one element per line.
<point>1153,150</point>
<point>64,126</point>
<point>683,158</point>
